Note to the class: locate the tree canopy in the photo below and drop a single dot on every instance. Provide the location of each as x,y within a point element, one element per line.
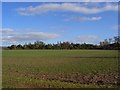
<point>111,43</point>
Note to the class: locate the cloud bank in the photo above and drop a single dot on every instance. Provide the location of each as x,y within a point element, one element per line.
<point>11,37</point>
<point>65,7</point>
<point>83,18</point>
<point>87,39</point>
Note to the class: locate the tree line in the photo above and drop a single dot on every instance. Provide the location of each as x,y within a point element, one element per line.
<point>111,43</point>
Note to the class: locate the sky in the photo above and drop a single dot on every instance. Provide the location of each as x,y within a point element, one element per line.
<point>50,22</point>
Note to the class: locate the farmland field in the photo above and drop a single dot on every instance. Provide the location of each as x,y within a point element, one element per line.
<point>59,68</point>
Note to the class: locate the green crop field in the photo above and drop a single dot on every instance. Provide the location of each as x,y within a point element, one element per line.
<point>59,68</point>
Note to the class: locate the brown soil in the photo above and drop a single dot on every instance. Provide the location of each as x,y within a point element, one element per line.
<point>96,79</point>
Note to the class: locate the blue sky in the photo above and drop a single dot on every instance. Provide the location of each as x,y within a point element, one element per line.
<point>51,22</point>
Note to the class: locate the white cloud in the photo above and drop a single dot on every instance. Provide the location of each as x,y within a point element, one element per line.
<point>6,30</point>
<point>60,1</point>
<point>12,37</point>
<point>66,7</point>
<point>83,18</point>
<point>87,39</point>
<point>116,27</point>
